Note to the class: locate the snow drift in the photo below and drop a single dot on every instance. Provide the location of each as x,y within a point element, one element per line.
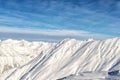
<point>88,59</point>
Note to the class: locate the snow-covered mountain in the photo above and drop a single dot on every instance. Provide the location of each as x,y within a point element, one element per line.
<point>69,59</point>
<point>14,53</point>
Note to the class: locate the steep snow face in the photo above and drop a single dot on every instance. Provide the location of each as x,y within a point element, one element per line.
<point>87,76</point>
<point>15,53</point>
<point>70,57</point>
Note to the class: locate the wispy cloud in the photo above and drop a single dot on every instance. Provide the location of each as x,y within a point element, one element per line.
<point>79,19</point>
<point>48,35</point>
<point>85,20</point>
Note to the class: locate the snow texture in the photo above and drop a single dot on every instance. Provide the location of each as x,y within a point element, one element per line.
<point>69,59</point>
<point>15,53</point>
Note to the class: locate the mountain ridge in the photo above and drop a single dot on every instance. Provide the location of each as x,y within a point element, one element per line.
<point>71,56</point>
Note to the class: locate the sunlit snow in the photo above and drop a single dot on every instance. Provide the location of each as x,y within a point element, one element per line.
<point>68,59</point>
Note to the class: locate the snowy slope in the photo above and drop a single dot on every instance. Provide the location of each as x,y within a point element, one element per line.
<point>15,53</point>
<point>69,57</point>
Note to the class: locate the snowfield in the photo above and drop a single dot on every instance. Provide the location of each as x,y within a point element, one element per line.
<point>15,53</point>
<point>69,59</point>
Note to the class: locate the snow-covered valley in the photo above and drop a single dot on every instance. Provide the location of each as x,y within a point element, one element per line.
<point>68,59</point>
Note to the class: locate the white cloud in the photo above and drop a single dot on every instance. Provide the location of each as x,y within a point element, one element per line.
<point>48,35</point>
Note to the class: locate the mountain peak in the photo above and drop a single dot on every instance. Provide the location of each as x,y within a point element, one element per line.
<point>71,56</point>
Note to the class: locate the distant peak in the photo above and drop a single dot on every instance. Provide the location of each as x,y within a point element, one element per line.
<point>90,39</point>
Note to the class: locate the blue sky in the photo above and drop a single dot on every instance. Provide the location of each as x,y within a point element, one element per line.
<point>53,20</point>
